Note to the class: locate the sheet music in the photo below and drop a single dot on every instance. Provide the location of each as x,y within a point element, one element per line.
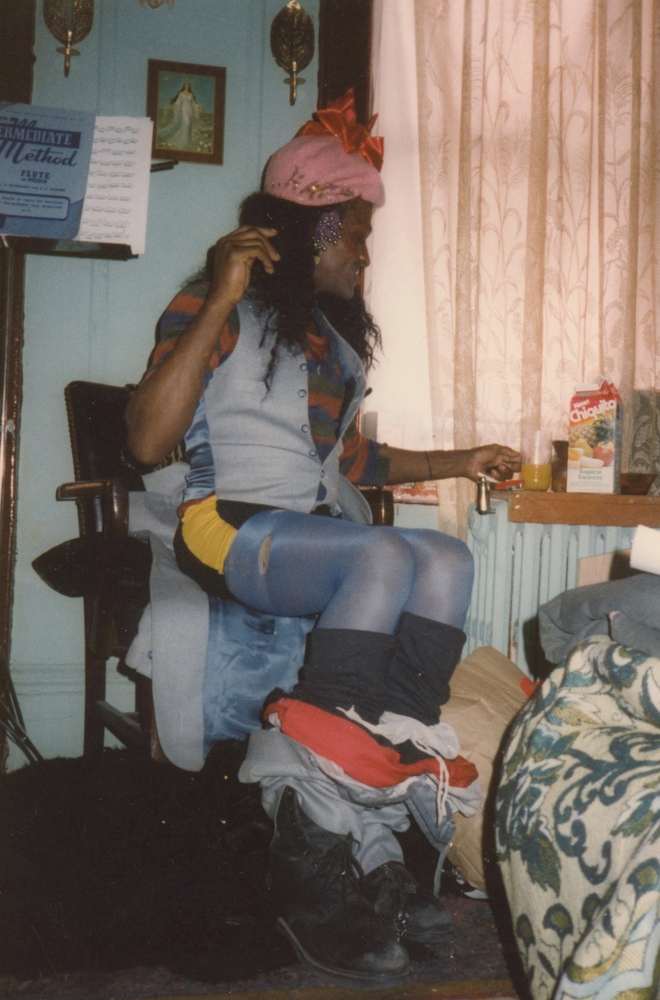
<point>115,206</point>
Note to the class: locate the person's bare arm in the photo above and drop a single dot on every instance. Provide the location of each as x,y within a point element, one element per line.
<point>494,460</point>
<point>161,410</point>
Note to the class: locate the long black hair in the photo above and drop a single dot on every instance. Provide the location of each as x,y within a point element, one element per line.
<point>288,294</point>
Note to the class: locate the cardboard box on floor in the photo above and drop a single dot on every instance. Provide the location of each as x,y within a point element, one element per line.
<point>487,691</point>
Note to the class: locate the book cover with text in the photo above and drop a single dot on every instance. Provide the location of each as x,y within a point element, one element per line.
<point>44,164</point>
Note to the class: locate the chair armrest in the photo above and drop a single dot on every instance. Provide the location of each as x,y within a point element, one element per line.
<point>113,493</point>
<point>71,491</point>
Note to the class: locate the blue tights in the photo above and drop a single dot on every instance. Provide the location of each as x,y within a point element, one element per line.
<point>355,576</point>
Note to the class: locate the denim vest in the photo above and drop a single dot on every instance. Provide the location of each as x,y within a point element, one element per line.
<point>258,439</point>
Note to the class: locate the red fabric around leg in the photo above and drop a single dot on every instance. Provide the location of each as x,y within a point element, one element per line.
<point>355,750</point>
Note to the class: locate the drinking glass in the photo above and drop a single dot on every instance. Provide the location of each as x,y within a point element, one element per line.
<point>536,468</point>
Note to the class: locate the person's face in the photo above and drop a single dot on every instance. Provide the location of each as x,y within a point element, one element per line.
<point>340,265</point>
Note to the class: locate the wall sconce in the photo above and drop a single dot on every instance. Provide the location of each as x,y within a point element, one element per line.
<point>69,21</point>
<point>292,43</point>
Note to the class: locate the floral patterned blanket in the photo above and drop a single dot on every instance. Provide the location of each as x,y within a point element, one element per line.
<point>578,827</point>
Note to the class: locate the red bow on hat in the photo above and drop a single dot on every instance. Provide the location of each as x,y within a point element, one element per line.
<point>339,119</point>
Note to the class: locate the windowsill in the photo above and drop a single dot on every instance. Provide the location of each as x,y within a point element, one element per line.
<point>584,508</point>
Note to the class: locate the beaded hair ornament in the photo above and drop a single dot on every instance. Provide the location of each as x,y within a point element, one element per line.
<point>327,231</point>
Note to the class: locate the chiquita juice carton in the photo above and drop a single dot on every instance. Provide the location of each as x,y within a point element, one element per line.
<point>594,439</point>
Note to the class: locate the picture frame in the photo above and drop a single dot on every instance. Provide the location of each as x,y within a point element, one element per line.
<point>186,103</point>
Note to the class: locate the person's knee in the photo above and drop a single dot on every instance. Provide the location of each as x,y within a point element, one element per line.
<point>449,552</point>
<point>390,554</point>
<point>463,559</point>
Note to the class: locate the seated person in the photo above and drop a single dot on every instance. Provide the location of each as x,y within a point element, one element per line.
<point>261,372</point>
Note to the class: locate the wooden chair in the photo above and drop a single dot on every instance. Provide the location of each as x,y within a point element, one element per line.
<point>104,566</point>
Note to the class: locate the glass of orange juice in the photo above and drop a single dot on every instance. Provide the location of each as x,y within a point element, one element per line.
<point>536,468</point>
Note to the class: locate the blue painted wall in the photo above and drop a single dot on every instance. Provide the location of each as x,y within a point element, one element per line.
<point>95,319</point>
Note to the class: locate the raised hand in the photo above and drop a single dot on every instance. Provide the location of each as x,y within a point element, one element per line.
<point>233,257</point>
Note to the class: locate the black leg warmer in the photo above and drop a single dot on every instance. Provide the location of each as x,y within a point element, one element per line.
<point>346,668</point>
<point>425,656</point>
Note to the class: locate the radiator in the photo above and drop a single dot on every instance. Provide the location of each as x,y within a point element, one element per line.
<point>518,567</point>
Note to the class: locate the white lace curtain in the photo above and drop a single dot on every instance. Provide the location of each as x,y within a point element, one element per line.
<point>539,128</point>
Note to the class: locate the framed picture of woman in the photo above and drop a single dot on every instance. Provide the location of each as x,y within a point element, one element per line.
<point>186,103</point>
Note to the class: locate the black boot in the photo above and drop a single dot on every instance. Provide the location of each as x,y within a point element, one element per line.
<point>425,919</point>
<point>346,668</point>
<point>425,655</point>
<point>334,929</point>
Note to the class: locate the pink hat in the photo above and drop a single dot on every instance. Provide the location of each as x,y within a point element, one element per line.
<point>331,159</point>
